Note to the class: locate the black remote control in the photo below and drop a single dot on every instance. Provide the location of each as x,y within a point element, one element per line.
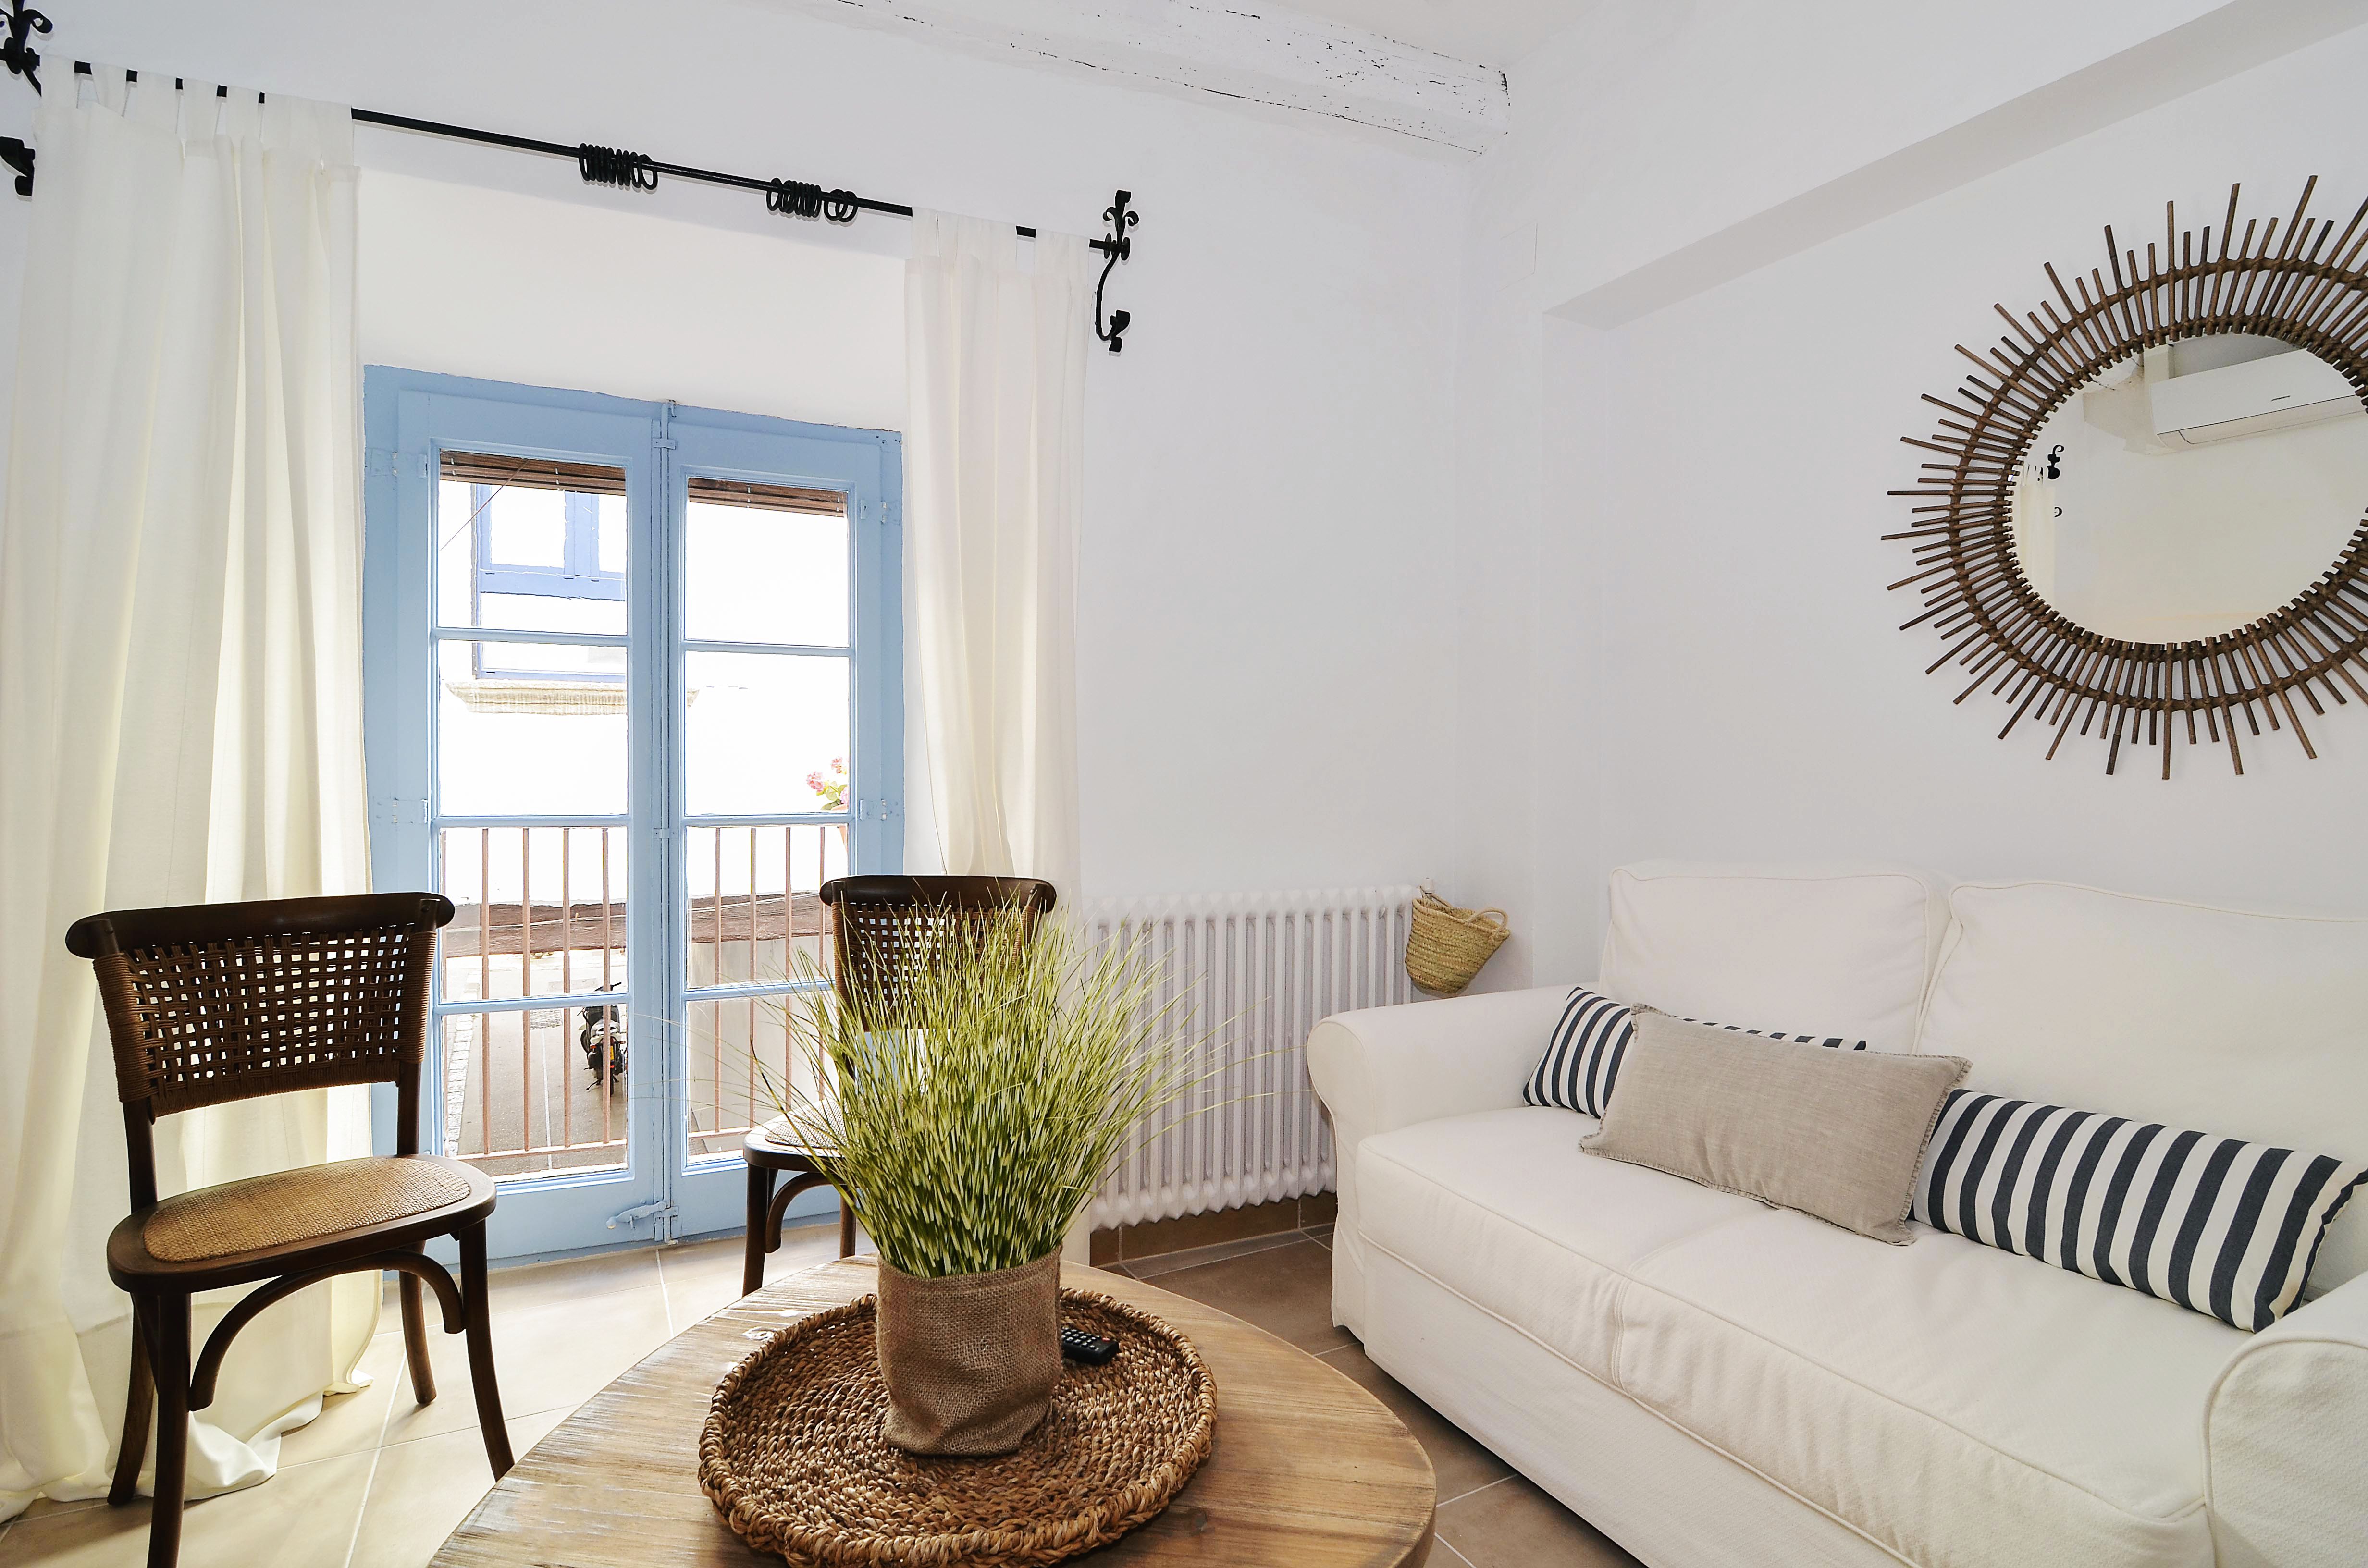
<point>1091,1349</point>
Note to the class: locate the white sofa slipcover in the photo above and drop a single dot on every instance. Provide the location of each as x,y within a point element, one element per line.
<point>1841,950</point>
<point>2224,1020</point>
<point>1821,1398</point>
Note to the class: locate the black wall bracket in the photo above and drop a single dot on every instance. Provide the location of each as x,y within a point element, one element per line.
<point>1118,248</point>
<point>17,53</point>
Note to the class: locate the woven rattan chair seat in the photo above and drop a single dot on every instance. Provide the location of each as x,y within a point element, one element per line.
<point>294,1206</point>
<point>793,1458</point>
<point>777,1134</point>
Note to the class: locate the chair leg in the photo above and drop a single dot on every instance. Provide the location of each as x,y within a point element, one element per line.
<point>138,1405</point>
<point>481,1349</point>
<point>846,1227</point>
<point>760,1199</point>
<point>415,1339</point>
<point>171,1370</point>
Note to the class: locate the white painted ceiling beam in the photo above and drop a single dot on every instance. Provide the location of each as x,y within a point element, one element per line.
<point>1279,59</point>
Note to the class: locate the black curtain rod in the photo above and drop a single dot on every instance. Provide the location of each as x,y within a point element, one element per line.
<point>598,166</point>
<point>608,166</point>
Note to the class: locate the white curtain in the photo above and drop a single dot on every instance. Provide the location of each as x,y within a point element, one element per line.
<point>181,703</point>
<point>994,502</point>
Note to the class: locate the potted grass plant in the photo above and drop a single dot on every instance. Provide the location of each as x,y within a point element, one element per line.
<point>967,1112</point>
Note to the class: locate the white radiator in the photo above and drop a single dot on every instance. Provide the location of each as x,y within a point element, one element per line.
<point>1253,974</point>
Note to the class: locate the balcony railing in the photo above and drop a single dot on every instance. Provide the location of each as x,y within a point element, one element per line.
<point>534,1017</point>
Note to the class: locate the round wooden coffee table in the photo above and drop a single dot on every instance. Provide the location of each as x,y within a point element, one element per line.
<point>1310,1470</point>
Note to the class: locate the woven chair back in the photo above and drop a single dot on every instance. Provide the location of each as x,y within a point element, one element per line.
<point>214,1002</point>
<point>881,926</point>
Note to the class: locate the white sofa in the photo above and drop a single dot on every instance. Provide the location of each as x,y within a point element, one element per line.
<point>1713,1381</point>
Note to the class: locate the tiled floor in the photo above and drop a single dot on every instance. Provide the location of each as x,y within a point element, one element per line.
<point>378,1482</point>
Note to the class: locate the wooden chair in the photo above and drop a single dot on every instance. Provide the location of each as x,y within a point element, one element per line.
<point>212,1002</point>
<point>871,922</point>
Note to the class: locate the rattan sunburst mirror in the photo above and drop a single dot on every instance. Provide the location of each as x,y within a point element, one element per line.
<point>2232,302</point>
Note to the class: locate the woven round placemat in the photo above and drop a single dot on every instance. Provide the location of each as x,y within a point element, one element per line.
<point>792,1457</point>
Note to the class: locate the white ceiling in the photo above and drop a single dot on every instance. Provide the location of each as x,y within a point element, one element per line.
<point>1482,32</point>
<point>1326,58</point>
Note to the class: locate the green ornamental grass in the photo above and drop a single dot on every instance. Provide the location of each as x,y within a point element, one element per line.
<point>972,1110</point>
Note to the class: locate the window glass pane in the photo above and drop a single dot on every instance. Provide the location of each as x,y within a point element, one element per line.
<point>754,915</point>
<point>612,534</point>
<point>741,1056</point>
<point>765,564</point>
<point>767,732</point>
<point>538,911</point>
<point>522,527</point>
<point>512,744</point>
<point>515,1101</point>
<point>530,545</point>
<point>535,612</point>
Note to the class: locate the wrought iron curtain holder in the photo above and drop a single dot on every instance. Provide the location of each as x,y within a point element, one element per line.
<point>16,52</point>
<point>612,166</point>
<point>1118,248</point>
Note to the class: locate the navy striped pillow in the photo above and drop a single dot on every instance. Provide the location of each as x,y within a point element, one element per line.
<point>2218,1225</point>
<point>1582,1058</point>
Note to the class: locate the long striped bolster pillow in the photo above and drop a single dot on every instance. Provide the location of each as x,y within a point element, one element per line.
<point>2215,1224</point>
<point>1582,1058</point>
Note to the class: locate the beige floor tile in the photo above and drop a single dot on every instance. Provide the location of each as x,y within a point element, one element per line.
<point>1161,1263</point>
<point>353,1423</point>
<point>533,1285</point>
<point>423,1490</point>
<point>551,1357</point>
<point>1286,1291</point>
<point>1514,1525</point>
<point>803,1247</point>
<point>705,1276</point>
<point>693,1296</point>
<point>1461,1463</point>
<point>301,1518</point>
<point>42,1507</point>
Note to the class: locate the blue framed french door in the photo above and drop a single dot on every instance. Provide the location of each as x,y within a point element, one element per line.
<point>634,690</point>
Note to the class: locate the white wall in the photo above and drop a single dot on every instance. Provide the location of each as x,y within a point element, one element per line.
<point>474,281</point>
<point>1270,479</point>
<point>1714,667</point>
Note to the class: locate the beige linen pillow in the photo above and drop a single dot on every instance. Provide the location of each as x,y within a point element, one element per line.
<point>1839,1135</point>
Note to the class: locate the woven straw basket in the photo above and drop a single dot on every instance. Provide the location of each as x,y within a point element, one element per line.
<point>1447,945</point>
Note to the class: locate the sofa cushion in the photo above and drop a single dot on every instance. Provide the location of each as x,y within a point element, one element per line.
<point>1932,1396</point>
<point>1833,950</point>
<point>2215,1224</point>
<point>1582,1064</point>
<point>2248,1024</point>
<point>1957,1402</point>
<point>1502,1208</point>
<point>1834,1133</point>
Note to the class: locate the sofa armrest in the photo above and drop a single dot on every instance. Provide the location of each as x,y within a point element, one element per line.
<point>2284,1432</point>
<point>1380,1068</point>
<point>1385,1067</point>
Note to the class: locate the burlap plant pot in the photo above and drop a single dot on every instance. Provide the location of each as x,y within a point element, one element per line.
<point>970,1360</point>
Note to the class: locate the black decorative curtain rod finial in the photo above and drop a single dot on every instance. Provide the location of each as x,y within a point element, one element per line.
<point>1118,248</point>
<point>17,53</point>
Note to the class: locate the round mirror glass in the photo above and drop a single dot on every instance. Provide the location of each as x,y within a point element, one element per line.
<point>2192,488</point>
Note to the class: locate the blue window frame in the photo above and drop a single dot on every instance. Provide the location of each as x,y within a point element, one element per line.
<point>648,576</point>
